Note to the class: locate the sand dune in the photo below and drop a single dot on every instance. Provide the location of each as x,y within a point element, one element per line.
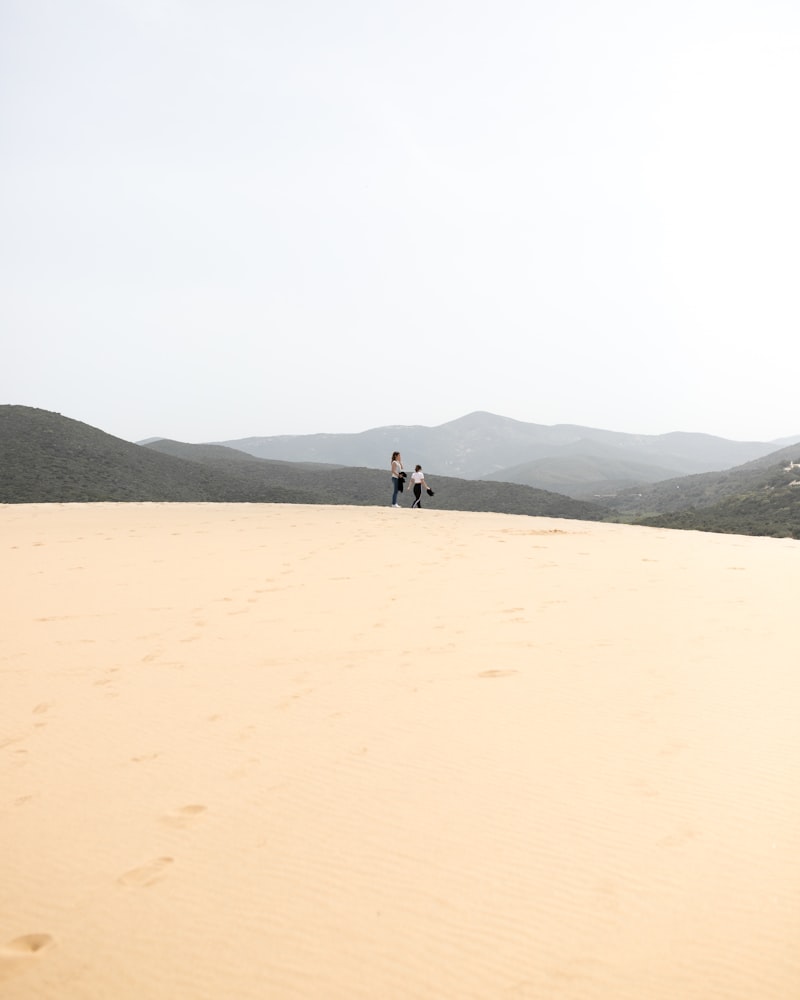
<point>307,752</point>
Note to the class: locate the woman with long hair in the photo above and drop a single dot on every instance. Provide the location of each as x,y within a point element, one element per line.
<point>397,476</point>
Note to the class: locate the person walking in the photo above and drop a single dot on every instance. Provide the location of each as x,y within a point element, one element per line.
<point>418,479</point>
<point>397,477</point>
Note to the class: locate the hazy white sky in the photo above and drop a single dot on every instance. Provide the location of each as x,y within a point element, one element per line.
<point>256,217</point>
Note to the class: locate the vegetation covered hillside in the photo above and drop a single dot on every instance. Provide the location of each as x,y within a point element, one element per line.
<point>483,445</point>
<point>709,488</point>
<point>761,497</point>
<point>46,457</point>
<point>584,476</point>
<point>337,484</point>
<point>772,509</point>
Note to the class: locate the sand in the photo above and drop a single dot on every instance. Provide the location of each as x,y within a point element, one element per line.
<point>336,752</point>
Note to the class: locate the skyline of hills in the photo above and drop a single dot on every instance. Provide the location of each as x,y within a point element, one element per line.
<point>582,462</point>
<point>46,457</point>
<point>704,490</point>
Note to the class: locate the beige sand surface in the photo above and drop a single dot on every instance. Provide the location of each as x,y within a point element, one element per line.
<point>340,752</point>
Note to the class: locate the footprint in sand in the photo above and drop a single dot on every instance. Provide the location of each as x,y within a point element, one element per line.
<point>679,838</point>
<point>27,944</point>
<point>184,816</point>
<point>148,874</point>
<point>11,740</point>
<point>14,954</point>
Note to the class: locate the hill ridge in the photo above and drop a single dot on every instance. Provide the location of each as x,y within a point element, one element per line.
<point>47,457</point>
<point>483,445</point>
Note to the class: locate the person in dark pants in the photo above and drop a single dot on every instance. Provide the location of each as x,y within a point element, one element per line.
<point>418,480</point>
<point>397,477</point>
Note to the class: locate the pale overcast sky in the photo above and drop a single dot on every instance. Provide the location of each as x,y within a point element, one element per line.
<point>256,217</point>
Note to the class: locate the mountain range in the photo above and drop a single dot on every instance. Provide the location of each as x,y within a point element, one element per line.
<point>582,462</point>
<point>46,457</point>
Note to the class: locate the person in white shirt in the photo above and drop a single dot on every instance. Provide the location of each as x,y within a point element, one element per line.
<point>418,479</point>
<point>397,476</point>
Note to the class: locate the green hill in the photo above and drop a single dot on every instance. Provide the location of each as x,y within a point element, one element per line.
<point>484,445</point>
<point>583,476</point>
<point>758,498</point>
<point>338,484</point>
<point>709,488</point>
<point>46,458</point>
<point>771,511</point>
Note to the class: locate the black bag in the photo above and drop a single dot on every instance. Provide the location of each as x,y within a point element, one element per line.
<point>430,492</point>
